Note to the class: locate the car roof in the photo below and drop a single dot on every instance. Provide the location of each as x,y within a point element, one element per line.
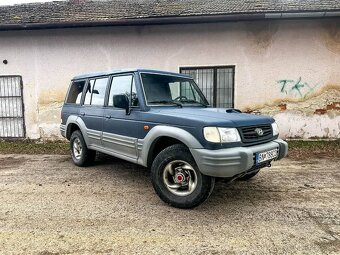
<point>130,70</point>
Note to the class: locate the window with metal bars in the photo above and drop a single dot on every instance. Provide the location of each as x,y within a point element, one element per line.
<point>216,83</point>
<point>12,124</point>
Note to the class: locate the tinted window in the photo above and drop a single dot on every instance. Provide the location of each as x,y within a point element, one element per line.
<point>122,85</point>
<point>95,92</point>
<point>74,95</point>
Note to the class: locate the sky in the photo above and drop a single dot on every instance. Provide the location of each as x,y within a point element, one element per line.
<point>11,2</point>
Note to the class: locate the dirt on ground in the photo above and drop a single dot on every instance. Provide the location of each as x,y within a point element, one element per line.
<point>50,206</point>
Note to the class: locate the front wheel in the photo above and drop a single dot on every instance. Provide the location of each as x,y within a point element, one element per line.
<point>177,180</point>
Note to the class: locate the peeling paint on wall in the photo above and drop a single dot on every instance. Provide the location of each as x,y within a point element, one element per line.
<point>317,115</point>
<point>49,120</point>
<point>326,98</point>
<point>300,126</point>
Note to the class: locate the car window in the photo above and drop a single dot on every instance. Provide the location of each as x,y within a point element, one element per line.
<point>75,92</point>
<point>183,90</point>
<point>98,92</point>
<point>95,92</point>
<point>122,85</point>
<point>162,89</point>
<point>88,92</point>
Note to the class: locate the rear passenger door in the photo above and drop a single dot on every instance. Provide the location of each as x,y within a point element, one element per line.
<point>92,110</point>
<point>120,131</point>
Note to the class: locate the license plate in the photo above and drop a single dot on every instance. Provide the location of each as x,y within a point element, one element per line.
<point>266,155</point>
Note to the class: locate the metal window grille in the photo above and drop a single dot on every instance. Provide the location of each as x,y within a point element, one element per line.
<point>12,124</point>
<point>216,83</point>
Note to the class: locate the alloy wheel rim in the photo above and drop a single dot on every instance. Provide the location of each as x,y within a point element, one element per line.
<point>77,148</point>
<point>180,178</point>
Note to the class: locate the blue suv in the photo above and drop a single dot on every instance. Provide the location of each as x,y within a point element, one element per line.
<point>162,121</point>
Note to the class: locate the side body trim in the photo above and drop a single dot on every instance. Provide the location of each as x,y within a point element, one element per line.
<point>116,140</point>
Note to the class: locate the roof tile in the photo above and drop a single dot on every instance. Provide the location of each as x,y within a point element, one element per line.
<point>111,10</point>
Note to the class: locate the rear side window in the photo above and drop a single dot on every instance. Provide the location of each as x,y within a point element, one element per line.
<point>75,92</point>
<point>88,94</point>
<point>95,92</point>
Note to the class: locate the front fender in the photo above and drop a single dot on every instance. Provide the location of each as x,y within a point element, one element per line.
<point>182,135</point>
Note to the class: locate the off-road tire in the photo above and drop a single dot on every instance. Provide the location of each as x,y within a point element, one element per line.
<point>87,156</point>
<point>201,192</point>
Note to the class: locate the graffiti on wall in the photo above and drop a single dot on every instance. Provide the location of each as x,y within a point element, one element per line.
<point>296,88</point>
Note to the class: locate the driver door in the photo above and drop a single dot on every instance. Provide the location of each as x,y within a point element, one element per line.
<point>120,131</point>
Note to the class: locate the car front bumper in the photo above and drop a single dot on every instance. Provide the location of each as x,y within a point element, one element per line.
<point>234,161</point>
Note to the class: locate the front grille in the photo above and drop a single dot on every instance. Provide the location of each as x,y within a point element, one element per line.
<point>249,134</point>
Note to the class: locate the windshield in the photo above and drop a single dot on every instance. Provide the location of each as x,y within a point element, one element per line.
<point>164,89</point>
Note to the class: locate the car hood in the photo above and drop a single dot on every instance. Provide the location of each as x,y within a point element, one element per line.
<point>213,116</point>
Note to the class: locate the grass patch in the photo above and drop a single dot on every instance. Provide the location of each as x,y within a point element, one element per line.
<point>298,149</point>
<point>33,147</point>
<point>296,144</point>
<point>319,148</point>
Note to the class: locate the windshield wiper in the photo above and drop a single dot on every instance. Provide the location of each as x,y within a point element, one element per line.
<point>166,102</point>
<point>191,101</point>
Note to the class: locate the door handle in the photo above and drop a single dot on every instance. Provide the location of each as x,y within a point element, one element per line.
<point>108,116</point>
<point>82,113</point>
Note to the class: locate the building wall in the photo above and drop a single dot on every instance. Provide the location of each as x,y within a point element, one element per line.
<point>288,69</point>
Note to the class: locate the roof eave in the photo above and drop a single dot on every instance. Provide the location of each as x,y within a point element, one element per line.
<point>174,20</point>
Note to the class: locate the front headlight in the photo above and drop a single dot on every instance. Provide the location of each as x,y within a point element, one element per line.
<point>275,128</point>
<point>211,134</point>
<point>221,135</point>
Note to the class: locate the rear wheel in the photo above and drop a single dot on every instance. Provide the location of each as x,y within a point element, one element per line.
<point>177,180</point>
<point>81,155</point>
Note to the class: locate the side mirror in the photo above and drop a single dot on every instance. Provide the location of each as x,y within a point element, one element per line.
<point>121,101</point>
